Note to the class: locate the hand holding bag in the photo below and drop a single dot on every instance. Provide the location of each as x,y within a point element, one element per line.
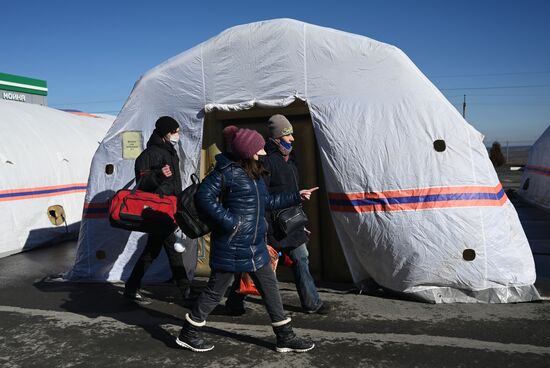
<point>137,210</point>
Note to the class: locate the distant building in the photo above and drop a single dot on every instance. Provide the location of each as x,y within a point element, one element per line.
<point>23,89</point>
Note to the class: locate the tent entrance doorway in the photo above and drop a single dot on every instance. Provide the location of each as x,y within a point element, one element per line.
<point>326,258</point>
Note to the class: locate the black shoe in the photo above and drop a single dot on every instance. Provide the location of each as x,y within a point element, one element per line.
<point>189,337</point>
<point>234,305</point>
<point>295,344</point>
<point>187,298</point>
<point>136,296</point>
<point>323,310</point>
<point>235,312</point>
<point>287,341</point>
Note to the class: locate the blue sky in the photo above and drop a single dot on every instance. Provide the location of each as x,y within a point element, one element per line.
<point>92,52</point>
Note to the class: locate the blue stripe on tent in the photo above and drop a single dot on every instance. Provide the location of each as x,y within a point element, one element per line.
<point>96,210</point>
<point>39,192</point>
<point>537,170</point>
<point>420,199</point>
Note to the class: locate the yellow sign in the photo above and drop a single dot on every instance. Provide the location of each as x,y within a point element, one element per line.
<point>132,145</point>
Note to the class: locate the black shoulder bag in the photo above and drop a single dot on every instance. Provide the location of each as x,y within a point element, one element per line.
<point>187,216</point>
<point>289,219</point>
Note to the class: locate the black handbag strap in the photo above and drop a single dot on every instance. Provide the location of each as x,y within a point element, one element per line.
<point>195,180</point>
<point>127,185</point>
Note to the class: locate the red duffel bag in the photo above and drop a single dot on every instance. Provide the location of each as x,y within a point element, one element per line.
<point>137,210</point>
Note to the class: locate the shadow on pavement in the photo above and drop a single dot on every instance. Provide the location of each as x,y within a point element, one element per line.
<point>95,300</point>
<point>106,300</point>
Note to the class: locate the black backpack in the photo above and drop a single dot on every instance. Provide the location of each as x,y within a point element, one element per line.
<point>187,217</point>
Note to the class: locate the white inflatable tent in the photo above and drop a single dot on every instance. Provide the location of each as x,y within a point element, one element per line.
<point>535,183</point>
<point>45,157</point>
<point>415,200</point>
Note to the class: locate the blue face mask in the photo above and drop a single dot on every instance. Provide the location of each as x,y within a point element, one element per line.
<point>286,145</point>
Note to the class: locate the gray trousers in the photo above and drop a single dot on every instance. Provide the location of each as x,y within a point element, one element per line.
<point>265,281</point>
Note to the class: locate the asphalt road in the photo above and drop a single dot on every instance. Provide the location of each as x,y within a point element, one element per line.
<point>46,323</point>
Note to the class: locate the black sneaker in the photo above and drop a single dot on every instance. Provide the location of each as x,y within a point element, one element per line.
<point>294,344</point>
<point>235,312</point>
<point>234,305</point>
<point>197,345</point>
<point>323,310</point>
<point>287,341</point>
<point>136,296</point>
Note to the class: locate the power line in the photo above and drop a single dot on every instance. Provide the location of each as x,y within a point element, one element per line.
<point>496,87</point>
<point>486,74</point>
<point>501,95</point>
<point>459,104</point>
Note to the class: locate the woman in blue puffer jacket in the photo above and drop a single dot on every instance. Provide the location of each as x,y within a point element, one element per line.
<point>233,197</point>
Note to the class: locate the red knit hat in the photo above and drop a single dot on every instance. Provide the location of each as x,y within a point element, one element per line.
<point>247,143</point>
<point>228,135</point>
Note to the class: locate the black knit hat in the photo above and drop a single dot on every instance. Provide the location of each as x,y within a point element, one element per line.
<point>165,125</point>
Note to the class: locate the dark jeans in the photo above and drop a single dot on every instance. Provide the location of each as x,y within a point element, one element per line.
<point>155,242</point>
<point>264,279</point>
<point>305,286</point>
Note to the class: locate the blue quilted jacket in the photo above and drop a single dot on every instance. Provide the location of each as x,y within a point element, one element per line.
<point>238,239</point>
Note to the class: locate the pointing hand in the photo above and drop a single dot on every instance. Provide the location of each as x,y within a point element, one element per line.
<point>305,194</point>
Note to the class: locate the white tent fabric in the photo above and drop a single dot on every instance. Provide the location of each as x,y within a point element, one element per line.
<point>406,214</point>
<point>535,186</point>
<point>45,157</point>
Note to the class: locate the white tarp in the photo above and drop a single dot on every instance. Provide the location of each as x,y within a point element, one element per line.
<point>535,184</point>
<point>45,157</point>
<point>406,214</point>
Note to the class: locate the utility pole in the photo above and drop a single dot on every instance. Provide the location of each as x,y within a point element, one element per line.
<point>464,108</point>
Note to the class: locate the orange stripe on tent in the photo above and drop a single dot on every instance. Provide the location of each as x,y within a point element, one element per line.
<point>420,205</point>
<point>416,192</point>
<point>36,189</point>
<point>31,196</point>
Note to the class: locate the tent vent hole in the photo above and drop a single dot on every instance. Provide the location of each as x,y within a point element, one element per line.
<point>469,254</point>
<point>109,169</point>
<point>526,184</point>
<point>439,145</point>
<point>100,254</point>
<point>56,215</point>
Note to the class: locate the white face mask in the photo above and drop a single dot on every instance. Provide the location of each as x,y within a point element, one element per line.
<point>175,138</point>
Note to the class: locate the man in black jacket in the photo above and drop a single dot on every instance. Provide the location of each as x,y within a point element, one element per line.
<point>281,163</point>
<point>157,171</point>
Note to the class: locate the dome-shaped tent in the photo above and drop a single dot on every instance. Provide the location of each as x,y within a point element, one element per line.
<point>45,157</point>
<point>535,183</point>
<point>414,198</point>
